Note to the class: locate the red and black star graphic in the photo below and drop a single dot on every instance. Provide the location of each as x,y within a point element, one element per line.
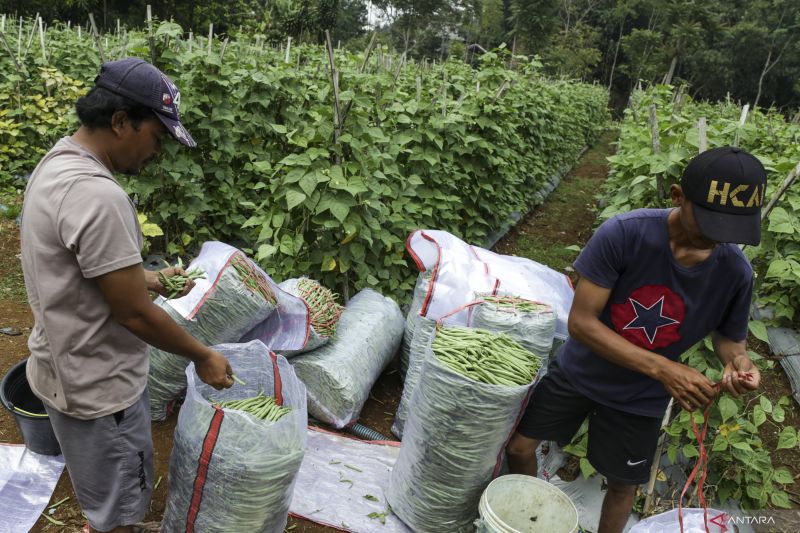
<point>650,317</point>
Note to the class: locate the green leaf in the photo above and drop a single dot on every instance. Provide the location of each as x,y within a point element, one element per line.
<point>727,408</point>
<point>294,198</point>
<point>759,330</point>
<point>780,221</point>
<point>328,264</point>
<point>287,245</point>
<point>783,476</point>
<point>689,451</point>
<point>308,183</point>
<point>778,414</point>
<point>339,209</point>
<point>265,251</point>
<point>759,416</point>
<point>779,498</point>
<point>765,404</point>
<point>742,446</point>
<point>787,438</point>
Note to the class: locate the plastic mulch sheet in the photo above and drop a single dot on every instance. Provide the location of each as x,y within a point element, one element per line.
<point>342,482</point>
<point>340,374</point>
<point>230,471</point>
<point>27,481</point>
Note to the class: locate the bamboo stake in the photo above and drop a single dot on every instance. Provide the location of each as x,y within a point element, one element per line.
<point>742,120</point>
<point>41,40</point>
<point>335,82</point>
<point>79,32</point>
<point>787,182</point>
<point>654,134</point>
<point>702,135</point>
<point>288,47</point>
<point>191,40</point>
<point>224,47</point>
<point>419,88</point>
<point>150,39</point>
<point>11,53</point>
<point>19,40</point>
<point>3,24</point>
<point>210,37</point>
<point>97,38</point>
<point>648,501</point>
<point>30,35</point>
<point>360,71</point>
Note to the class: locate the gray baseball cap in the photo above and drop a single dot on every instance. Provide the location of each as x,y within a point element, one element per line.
<point>143,83</point>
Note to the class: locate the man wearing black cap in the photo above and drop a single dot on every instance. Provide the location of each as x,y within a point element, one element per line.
<point>81,257</point>
<point>653,283</point>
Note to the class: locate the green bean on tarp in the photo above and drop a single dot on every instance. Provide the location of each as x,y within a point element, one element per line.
<point>532,324</point>
<point>239,299</point>
<point>323,310</point>
<point>340,374</point>
<point>457,428</point>
<point>254,463</point>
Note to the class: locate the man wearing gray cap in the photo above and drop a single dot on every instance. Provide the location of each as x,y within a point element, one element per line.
<point>88,290</point>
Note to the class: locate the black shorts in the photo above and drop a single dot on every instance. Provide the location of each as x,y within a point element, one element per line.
<point>621,445</point>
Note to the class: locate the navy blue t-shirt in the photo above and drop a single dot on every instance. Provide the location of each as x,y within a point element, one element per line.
<point>655,303</point>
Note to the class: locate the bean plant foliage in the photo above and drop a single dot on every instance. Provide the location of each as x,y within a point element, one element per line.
<point>417,145</point>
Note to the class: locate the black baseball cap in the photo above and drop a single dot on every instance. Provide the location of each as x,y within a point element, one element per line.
<point>726,186</point>
<point>143,83</point>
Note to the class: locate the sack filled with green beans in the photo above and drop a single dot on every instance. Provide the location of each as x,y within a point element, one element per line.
<point>323,311</point>
<point>474,385</point>
<point>531,324</point>
<point>340,374</point>
<point>249,449</point>
<point>422,334</point>
<point>222,309</point>
<point>413,318</point>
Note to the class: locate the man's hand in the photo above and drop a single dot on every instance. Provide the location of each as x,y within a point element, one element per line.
<point>215,370</point>
<point>689,387</point>
<point>741,376</point>
<point>154,280</point>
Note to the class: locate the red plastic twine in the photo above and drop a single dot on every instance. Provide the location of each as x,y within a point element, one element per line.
<point>702,461</point>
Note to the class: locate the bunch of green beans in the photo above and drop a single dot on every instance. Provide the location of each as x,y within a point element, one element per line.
<point>175,284</point>
<point>483,356</point>
<point>512,302</point>
<point>260,406</point>
<point>322,306</point>
<point>251,278</point>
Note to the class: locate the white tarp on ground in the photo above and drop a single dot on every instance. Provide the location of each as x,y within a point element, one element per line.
<point>27,481</point>
<point>340,480</point>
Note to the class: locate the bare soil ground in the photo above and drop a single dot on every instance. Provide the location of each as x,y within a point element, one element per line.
<point>566,219</point>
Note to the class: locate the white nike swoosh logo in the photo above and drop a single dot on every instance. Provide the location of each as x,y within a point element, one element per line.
<point>636,463</point>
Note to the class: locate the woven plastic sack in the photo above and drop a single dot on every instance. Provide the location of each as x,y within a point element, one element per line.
<point>459,270</point>
<point>413,317</point>
<point>235,297</point>
<point>230,471</point>
<point>453,446</point>
<point>340,374</point>
<point>422,336</point>
<point>534,330</point>
<point>325,298</point>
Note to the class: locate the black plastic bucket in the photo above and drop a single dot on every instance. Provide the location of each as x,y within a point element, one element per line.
<point>37,432</point>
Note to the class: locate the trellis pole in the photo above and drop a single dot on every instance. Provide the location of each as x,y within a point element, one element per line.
<point>97,38</point>
<point>654,134</point>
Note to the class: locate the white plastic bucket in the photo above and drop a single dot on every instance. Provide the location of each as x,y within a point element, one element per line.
<point>525,504</point>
